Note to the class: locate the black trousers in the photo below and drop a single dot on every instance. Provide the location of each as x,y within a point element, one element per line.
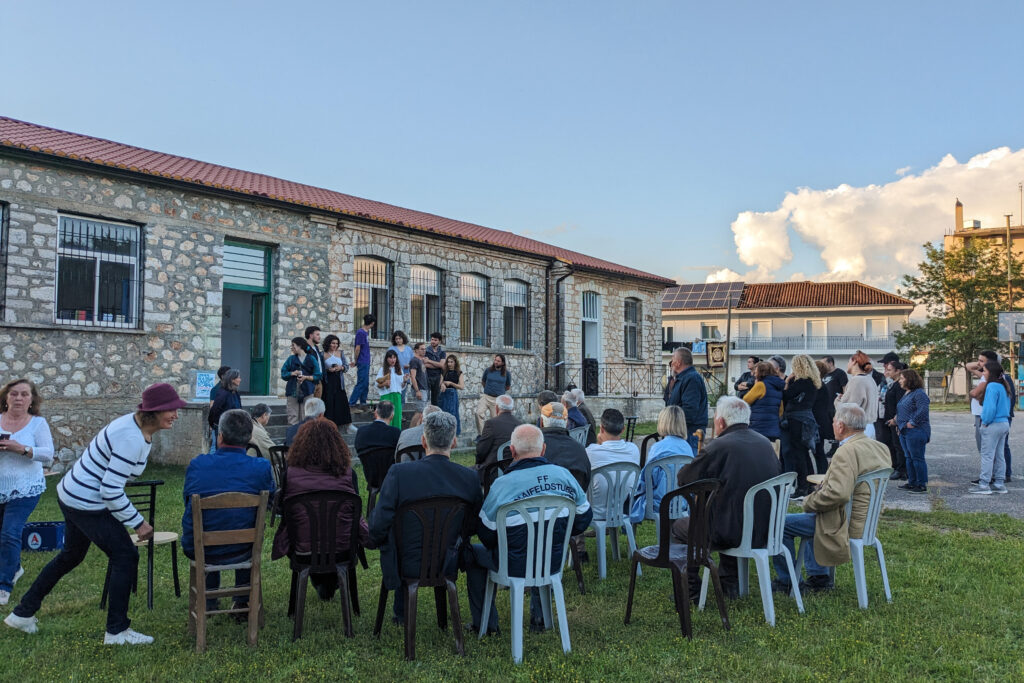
<point>889,436</point>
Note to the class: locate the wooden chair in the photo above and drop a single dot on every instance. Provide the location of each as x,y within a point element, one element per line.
<point>441,518</point>
<point>376,463</point>
<point>145,503</point>
<point>321,509</point>
<point>414,452</point>
<point>678,558</point>
<point>198,568</point>
<point>645,444</point>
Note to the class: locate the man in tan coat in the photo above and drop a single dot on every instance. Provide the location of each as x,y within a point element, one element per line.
<point>825,518</point>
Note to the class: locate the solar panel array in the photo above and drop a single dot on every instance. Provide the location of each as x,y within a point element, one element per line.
<point>712,295</point>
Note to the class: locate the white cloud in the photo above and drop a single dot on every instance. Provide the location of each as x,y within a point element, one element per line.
<point>903,171</point>
<point>874,233</point>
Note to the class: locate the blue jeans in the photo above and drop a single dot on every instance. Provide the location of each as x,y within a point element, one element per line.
<point>913,442</point>
<point>13,515</point>
<point>242,576</point>
<point>362,387</point>
<point>799,525</point>
<point>81,529</point>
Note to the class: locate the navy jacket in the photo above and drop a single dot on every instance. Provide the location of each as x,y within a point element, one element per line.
<point>376,435</point>
<point>408,482</point>
<point>764,412</point>
<point>223,470</point>
<point>226,399</point>
<point>690,394</point>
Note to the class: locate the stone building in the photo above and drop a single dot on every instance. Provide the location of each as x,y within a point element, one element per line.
<point>121,266</point>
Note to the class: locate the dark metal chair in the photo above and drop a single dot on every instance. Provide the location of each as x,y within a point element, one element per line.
<point>677,557</point>
<point>279,468</point>
<point>376,463</point>
<point>492,471</point>
<point>145,502</point>
<point>322,509</point>
<point>630,428</point>
<point>441,519</point>
<point>415,452</point>
<point>645,444</point>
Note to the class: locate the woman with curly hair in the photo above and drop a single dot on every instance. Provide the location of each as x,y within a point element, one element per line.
<point>318,460</point>
<point>451,384</point>
<point>799,428</point>
<point>390,382</point>
<point>861,389</point>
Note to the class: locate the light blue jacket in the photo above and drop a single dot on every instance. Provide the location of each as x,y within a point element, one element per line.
<point>996,407</point>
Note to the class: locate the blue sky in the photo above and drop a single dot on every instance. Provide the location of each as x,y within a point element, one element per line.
<point>633,131</point>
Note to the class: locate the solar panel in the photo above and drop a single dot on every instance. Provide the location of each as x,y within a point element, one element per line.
<point>708,295</point>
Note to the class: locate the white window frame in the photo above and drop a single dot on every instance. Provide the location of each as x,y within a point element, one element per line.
<point>594,319</point>
<point>98,256</point>
<point>807,337</point>
<point>516,295</point>
<point>885,326</point>
<point>469,283</point>
<point>771,329</point>
<point>716,325</point>
<point>636,326</point>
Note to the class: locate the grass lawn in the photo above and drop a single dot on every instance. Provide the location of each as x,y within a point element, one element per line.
<point>956,615</point>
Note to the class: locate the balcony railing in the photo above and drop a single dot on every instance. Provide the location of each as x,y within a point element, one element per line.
<point>817,343</point>
<point>618,379</point>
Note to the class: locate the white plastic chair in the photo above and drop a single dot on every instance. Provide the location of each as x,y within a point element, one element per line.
<point>539,549</point>
<point>580,434</point>
<point>876,481</point>
<point>670,466</point>
<point>778,489</point>
<point>619,482</point>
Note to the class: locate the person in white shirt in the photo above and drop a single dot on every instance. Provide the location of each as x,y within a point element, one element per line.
<point>390,382</point>
<point>25,447</point>
<point>610,448</point>
<point>97,510</point>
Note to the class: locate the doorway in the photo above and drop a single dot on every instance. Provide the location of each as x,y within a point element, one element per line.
<point>245,328</point>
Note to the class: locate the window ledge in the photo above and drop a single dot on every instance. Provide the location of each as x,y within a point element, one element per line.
<point>74,328</point>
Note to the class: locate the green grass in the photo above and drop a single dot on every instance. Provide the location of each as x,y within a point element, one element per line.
<point>954,407</point>
<point>956,615</point>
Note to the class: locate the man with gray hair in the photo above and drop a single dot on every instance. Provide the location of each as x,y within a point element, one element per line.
<point>581,405</point>
<point>312,408</point>
<point>260,438</point>
<point>529,475</point>
<point>823,523</point>
<point>740,458</point>
<point>686,389</point>
<point>435,475</point>
<point>225,469</point>
<point>412,435</point>
<point>497,430</point>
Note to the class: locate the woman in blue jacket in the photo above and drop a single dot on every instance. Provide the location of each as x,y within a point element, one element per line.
<point>995,429</point>
<point>765,400</point>
<point>302,373</point>
<point>915,429</point>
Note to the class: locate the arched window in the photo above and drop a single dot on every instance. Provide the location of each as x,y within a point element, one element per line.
<point>516,301</point>
<point>424,302</point>
<point>372,294</point>
<point>631,329</point>
<point>473,309</point>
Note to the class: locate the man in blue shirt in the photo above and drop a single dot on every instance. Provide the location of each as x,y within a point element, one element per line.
<point>495,381</point>
<point>226,469</point>
<point>686,389</point>
<point>361,353</point>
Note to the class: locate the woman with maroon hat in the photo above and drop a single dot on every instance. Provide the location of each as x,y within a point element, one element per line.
<point>97,510</point>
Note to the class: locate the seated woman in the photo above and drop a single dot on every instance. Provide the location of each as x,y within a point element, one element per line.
<point>318,460</point>
<point>672,427</point>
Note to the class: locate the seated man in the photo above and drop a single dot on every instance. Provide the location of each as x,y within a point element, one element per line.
<point>260,418</point>
<point>434,475</point>
<point>497,430</point>
<point>379,433</point>
<point>740,458</point>
<point>312,409</point>
<point>529,475</point>
<point>226,469</point>
<point>575,417</point>
<point>582,407</point>
<point>610,448</point>
<point>826,506</point>
<point>411,436</point>
<point>560,448</point>
<point>543,398</point>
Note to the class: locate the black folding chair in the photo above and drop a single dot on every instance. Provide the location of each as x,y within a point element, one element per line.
<point>645,444</point>
<point>630,428</point>
<point>279,467</point>
<point>376,463</point>
<point>145,502</point>
<point>414,452</point>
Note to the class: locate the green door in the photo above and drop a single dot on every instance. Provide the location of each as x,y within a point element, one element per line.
<point>247,297</point>
<point>259,365</point>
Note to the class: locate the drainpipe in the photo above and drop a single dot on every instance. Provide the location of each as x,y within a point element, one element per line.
<point>558,317</point>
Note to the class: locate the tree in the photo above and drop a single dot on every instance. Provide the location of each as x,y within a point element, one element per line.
<point>961,289</point>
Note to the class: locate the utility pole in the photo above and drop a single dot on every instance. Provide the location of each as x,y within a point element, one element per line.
<point>1009,290</point>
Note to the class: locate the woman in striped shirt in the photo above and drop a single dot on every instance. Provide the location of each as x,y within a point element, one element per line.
<point>97,510</point>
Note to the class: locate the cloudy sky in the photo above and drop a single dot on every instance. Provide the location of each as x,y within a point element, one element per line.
<point>763,140</point>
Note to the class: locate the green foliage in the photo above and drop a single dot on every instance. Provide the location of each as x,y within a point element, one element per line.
<point>962,289</point>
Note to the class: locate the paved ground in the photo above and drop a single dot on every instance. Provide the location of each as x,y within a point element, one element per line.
<point>953,462</point>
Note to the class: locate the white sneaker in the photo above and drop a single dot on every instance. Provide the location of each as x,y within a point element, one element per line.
<point>26,624</point>
<point>17,575</point>
<point>980,490</point>
<point>127,637</point>
<point>999,489</point>
<point>5,597</point>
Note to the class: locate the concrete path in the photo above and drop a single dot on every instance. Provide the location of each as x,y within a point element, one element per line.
<point>953,462</point>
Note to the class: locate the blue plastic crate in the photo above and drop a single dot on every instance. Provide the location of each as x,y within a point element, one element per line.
<point>43,536</point>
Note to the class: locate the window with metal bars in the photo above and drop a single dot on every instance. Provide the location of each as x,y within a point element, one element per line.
<point>517,321</point>
<point>3,258</point>
<point>372,294</point>
<point>631,329</point>
<point>424,302</point>
<point>98,273</point>
<point>591,325</point>
<point>472,309</point>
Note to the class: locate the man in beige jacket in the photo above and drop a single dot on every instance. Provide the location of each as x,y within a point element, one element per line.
<point>825,518</point>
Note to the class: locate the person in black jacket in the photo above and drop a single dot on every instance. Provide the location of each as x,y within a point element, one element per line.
<point>885,428</point>
<point>686,389</point>
<point>799,428</point>
<point>562,449</point>
<point>740,458</point>
<point>407,482</point>
<point>227,399</point>
<point>379,433</point>
<point>746,380</point>
<point>497,430</point>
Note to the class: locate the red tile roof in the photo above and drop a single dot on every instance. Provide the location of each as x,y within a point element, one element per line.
<point>784,295</point>
<point>36,138</point>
